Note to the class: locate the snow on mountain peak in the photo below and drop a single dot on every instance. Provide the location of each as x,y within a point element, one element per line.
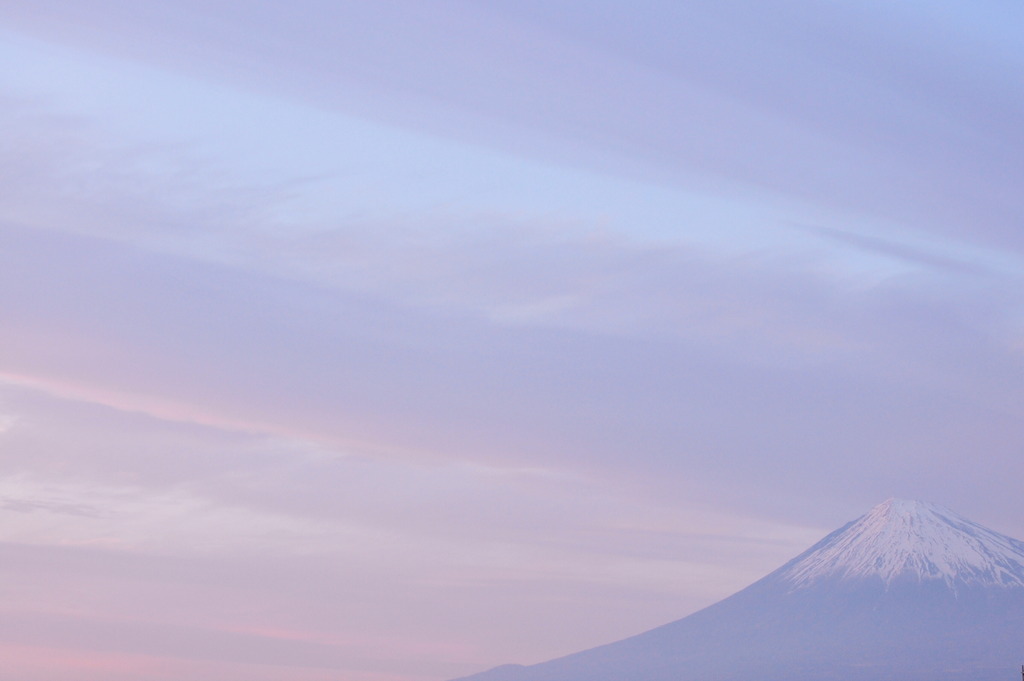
<point>911,539</point>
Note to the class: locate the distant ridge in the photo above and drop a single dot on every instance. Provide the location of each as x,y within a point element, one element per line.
<point>910,591</point>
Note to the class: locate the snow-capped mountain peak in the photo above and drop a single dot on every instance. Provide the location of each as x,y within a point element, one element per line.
<point>909,591</point>
<point>901,539</point>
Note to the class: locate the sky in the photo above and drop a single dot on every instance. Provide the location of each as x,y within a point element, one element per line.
<point>394,341</point>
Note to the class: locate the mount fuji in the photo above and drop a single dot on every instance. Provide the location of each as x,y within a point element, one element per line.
<point>910,591</point>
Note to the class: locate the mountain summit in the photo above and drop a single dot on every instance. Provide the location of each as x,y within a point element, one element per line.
<point>908,591</point>
<point>901,540</point>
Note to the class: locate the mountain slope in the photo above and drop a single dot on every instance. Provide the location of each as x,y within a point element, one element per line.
<point>908,591</point>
